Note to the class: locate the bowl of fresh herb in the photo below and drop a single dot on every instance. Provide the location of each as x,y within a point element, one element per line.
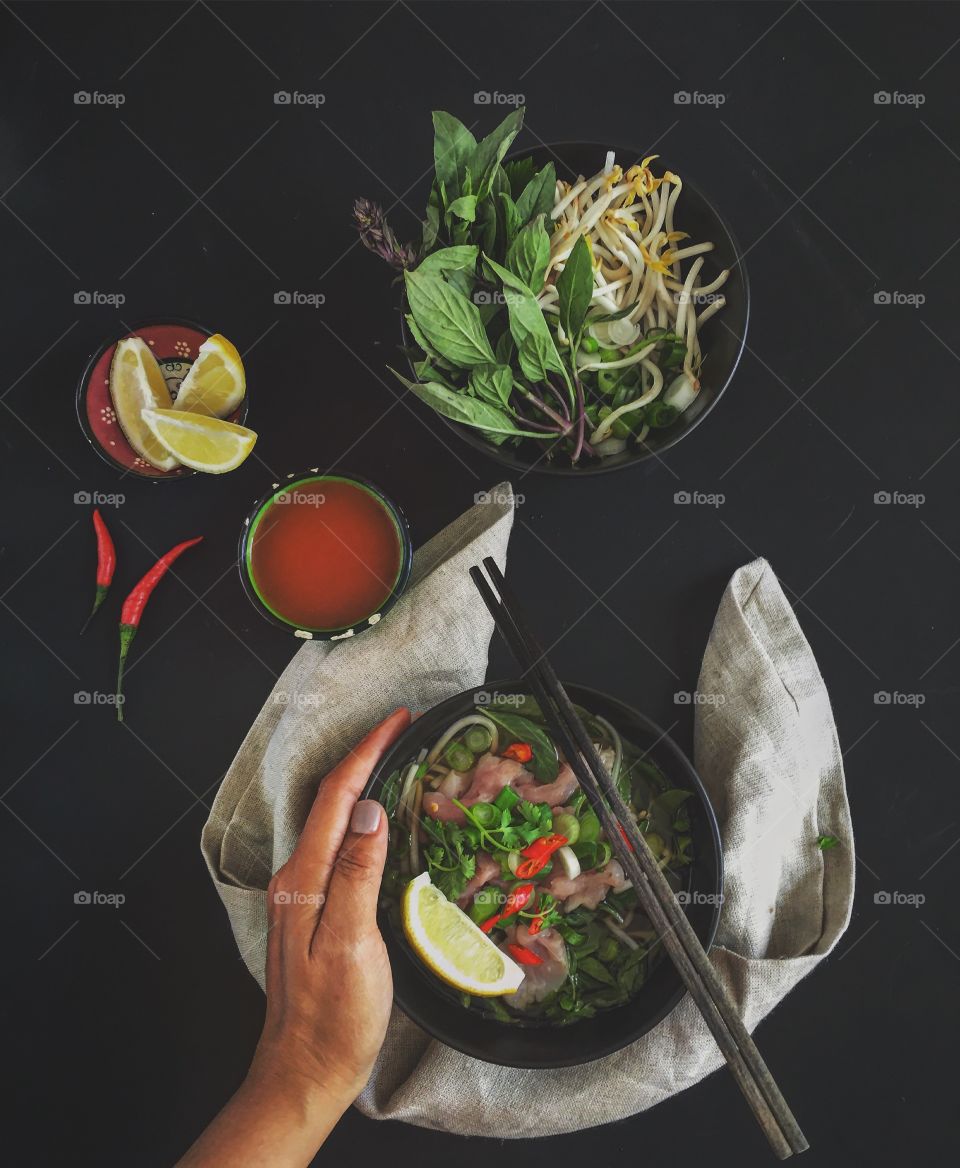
<point>534,951</point>
<point>562,311</point>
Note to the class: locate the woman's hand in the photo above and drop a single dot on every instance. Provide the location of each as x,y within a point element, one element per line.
<point>329,987</point>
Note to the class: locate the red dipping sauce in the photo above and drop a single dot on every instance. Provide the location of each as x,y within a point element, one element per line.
<point>325,553</point>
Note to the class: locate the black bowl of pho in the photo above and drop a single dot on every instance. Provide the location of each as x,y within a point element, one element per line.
<point>512,932</point>
<point>656,339</point>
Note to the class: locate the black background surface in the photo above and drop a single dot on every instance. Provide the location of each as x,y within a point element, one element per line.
<point>125,1029</point>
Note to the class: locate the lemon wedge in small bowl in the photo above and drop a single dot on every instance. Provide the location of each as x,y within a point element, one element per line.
<point>198,441</point>
<point>215,384</point>
<point>448,942</point>
<point>136,385</point>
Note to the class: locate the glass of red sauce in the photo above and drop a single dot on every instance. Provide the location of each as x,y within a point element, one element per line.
<point>325,556</point>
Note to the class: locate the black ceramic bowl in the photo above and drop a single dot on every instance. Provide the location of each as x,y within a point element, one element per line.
<point>423,998</point>
<point>723,338</point>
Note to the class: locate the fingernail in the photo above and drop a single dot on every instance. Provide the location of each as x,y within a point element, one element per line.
<point>366,817</point>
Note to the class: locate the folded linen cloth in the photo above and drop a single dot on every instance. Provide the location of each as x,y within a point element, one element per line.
<point>765,746</point>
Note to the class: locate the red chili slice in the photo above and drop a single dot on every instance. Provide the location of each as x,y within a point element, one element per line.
<point>523,956</point>
<point>519,752</point>
<point>517,900</point>
<point>538,853</point>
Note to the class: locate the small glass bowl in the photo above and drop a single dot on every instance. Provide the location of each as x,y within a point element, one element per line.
<point>294,482</point>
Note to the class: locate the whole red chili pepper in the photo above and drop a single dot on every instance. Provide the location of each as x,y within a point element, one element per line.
<point>134,604</point>
<point>106,562</point>
<point>517,900</point>
<point>538,853</point>
<point>523,956</point>
<point>519,752</point>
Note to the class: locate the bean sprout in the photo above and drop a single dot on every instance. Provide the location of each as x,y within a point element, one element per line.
<point>629,219</point>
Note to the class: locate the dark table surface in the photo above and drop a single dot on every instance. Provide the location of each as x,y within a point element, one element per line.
<point>199,196</point>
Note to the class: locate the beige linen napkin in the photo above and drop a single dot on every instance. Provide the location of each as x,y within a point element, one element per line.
<point>765,746</point>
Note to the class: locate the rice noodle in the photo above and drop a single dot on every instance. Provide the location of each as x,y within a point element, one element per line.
<point>452,731</point>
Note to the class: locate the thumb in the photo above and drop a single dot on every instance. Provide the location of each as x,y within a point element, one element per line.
<point>354,889</point>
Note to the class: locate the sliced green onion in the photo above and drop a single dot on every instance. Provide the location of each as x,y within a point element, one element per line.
<point>485,814</point>
<point>607,382</point>
<point>507,799</point>
<point>458,758</point>
<point>567,825</point>
<point>477,739</point>
<point>659,415</point>
<point>589,827</point>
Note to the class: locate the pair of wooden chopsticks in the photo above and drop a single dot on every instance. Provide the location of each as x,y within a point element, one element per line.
<point>653,891</point>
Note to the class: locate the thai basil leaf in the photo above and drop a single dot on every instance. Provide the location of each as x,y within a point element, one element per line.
<point>464,208</point>
<point>597,970</point>
<point>505,348</point>
<point>447,319</point>
<point>428,370</point>
<point>575,289</point>
<point>424,344</point>
<point>499,184</point>
<point>492,383</point>
<point>511,220</point>
<point>431,224</point>
<point>453,147</point>
<point>450,259</point>
<point>544,764</point>
<point>469,411</point>
<point>485,230</point>
<point>536,352</point>
<point>518,173</point>
<point>538,195</point>
<point>529,255</point>
<point>464,282</point>
<point>485,160</point>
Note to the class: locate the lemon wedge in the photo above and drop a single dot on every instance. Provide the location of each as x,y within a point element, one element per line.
<point>136,384</point>
<point>198,441</point>
<point>215,383</point>
<point>450,944</point>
